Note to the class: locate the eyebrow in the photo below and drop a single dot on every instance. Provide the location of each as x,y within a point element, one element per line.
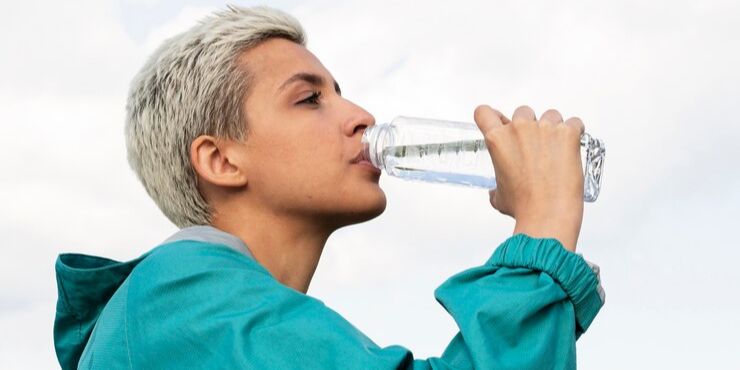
<point>311,78</point>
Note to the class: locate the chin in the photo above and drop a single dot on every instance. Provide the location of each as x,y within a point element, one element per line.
<point>376,208</point>
<point>365,208</point>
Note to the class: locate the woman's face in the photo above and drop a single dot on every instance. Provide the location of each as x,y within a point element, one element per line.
<point>303,139</point>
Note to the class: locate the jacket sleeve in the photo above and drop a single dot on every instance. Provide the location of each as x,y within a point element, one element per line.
<point>523,309</point>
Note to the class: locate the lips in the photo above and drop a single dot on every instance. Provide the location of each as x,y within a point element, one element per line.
<point>363,156</point>
<point>363,160</point>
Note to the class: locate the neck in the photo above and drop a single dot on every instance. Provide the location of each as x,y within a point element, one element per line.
<point>288,247</point>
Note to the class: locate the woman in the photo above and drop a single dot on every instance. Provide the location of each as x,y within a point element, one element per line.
<point>243,139</point>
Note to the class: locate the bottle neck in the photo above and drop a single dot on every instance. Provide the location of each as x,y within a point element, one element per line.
<point>375,139</point>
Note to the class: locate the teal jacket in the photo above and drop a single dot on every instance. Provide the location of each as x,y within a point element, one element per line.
<point>201,301</point>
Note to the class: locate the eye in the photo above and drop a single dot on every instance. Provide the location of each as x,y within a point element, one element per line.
<point>313,99</point>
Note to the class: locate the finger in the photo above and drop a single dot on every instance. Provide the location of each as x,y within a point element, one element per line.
<point>552,115</point>
<point>488,118</point>
<point>577,124</point>
<point>505,120</point>
<point>524,113</point>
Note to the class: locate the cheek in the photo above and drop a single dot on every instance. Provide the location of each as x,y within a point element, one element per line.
<point>301,164</point>
<point>318,158</point>
<point>311,174</point>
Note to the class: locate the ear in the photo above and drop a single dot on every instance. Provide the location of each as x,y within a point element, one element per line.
<point>216,161</point>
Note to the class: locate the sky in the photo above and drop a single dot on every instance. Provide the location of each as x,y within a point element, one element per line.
<point>657,81</point>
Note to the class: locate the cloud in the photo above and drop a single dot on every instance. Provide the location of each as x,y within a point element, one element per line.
<point>657,81</point>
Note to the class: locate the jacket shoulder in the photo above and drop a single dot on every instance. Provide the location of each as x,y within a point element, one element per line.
<point>159,308</point>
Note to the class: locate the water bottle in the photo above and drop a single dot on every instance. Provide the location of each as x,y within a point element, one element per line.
<point>454,153</point>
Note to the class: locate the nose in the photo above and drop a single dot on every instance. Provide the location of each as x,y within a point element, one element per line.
<point>359,121</point>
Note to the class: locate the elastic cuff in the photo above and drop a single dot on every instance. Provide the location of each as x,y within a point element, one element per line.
<point>568,269</point>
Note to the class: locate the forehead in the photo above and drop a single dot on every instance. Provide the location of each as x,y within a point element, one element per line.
<point>275,60</point>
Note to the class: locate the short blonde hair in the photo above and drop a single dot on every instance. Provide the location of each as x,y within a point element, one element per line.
<point>192,86</point>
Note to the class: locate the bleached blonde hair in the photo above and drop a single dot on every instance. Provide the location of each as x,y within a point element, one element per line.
<point>193,85</point>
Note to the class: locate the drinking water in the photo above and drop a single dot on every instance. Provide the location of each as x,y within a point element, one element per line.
<point>432,162</point>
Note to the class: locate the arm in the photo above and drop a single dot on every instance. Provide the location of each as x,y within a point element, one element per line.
<point>194,306</point>
<point>525,308</point>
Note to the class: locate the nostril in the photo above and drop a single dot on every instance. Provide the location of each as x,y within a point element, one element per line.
<point>360,128</point>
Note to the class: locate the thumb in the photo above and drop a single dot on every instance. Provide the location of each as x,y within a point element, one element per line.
<point>492,198</point>
<point>498,203</point>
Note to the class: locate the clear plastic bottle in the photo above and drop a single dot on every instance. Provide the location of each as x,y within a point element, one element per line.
<point>455,153</point>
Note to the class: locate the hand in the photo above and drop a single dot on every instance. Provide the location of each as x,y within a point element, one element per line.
<point>539,175</point>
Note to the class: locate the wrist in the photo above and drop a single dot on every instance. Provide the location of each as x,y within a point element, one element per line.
<point>564,229</point>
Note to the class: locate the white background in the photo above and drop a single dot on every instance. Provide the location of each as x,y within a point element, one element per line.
<point>657,81</point>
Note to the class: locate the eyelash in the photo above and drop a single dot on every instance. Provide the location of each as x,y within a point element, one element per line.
<point>313,99</point>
